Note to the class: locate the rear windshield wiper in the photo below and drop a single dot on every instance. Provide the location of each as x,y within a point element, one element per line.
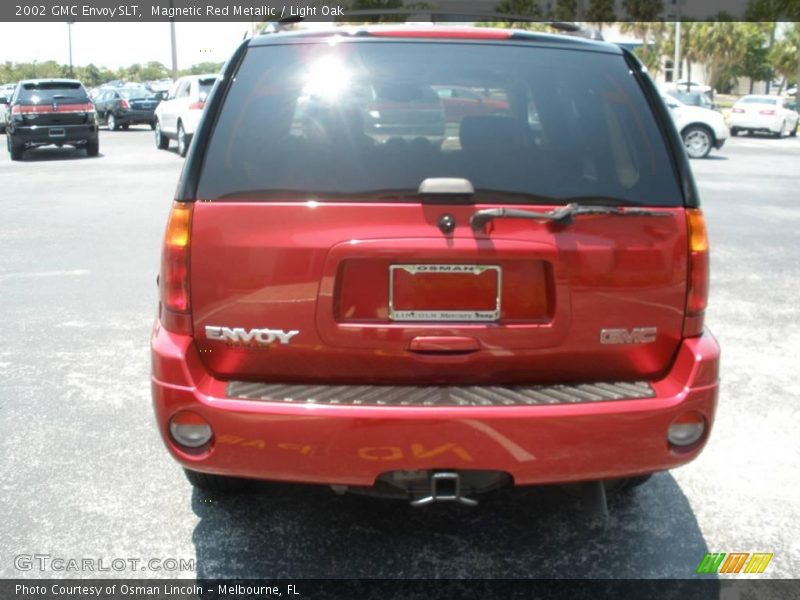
<point>563,214</point>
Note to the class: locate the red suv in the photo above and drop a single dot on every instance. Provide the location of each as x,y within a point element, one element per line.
<point>517,301</point>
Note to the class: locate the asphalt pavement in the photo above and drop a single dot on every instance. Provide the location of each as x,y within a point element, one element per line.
<point>85,475</point>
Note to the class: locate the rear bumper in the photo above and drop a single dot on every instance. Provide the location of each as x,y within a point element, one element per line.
<point>133,117</point>
<point>765,123</point>
<point>41,134</point>
<point>353,445</point>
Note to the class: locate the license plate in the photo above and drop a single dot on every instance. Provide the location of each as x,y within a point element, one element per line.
<point>56,132</point>
<point>444,292</point>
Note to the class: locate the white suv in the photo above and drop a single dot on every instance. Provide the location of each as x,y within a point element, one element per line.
<point>701,128</point>
<point>178,115</point>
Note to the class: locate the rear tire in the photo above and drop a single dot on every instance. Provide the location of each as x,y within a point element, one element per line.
<point>793,133</point>
<point>126,127</point>
<point>735,131</point>
<point>162,141</point>
<point>779,134</point>
<point>15,150</point>
<point>93,147</point>
<point>152,125</point>
<point>111,122</point>
<point>216,483</point>
<point>183,143</point>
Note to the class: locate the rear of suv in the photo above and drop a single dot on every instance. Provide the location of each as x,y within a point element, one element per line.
<point>520,301</point>
<point>177,116</point>
<point>51,111</point>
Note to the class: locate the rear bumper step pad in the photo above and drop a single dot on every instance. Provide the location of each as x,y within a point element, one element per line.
<point>389,395</point>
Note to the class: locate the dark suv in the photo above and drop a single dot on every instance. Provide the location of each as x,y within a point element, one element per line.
<point>520,301</point>
<point>51,111</point>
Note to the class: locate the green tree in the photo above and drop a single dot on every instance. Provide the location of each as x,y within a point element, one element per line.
<point>600,12</point>
<point>719,46</point>
<point>565,10</point>
<point>154,70</point>
<point>523,8</point>
<point>755,63</point>
<point>642,20</point>
<point>785,54</point>
<point>380,5</point>
<point>203,67</point>
<point>643,11</point>
<point>773,11</point>
<point>91,75</point>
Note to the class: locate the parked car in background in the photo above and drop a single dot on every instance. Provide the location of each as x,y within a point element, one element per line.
<point>385,110</point>
<point>5,110</point>
<point>350,307</point>
<point>684,85</point>
<point>461,101</point>
<point>701,129</point>
<point>700,99</point>
<point>177,116</point>
<point>51,111</point>
<point>161,85</point>
<point>765,114</point>
<point>121,107</point>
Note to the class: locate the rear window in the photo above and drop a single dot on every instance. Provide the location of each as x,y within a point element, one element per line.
<point>48,92</point>
<point>206,85</point>
<point>756,100</point>
<point>364,119</point>
<point>129,93</point>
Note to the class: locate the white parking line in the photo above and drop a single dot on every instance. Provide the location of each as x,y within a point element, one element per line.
<point>35,274</point>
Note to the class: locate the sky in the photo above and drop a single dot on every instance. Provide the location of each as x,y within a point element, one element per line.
<point>115,45</point>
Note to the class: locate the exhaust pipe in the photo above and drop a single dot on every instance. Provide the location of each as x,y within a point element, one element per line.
<point>445,487</point>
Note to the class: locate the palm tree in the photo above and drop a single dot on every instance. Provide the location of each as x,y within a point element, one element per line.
<point>773,11</point>
<point>719,45</point>
<point>566,10</point>
<point>600,12</point>
<point>785,54</point>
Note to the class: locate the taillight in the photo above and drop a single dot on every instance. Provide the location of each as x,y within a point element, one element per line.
<point>125,105</point>
<point>767,111</point>
<point>698,275</point>
<point>197,105</point>
<point>174,280</point>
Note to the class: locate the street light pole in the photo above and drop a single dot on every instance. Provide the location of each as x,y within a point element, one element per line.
<point>69,32</point>
<point>676,61</point>
<point>173,44</point>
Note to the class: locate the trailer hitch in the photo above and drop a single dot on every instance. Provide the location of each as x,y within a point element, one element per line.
<point>445,487</point>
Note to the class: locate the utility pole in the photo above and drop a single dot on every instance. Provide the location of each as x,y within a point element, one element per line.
<point>173,43</point>
<point>676,61</point>
<point>69,33</point>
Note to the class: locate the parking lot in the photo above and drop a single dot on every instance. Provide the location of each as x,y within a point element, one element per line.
<point>85,473</point>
